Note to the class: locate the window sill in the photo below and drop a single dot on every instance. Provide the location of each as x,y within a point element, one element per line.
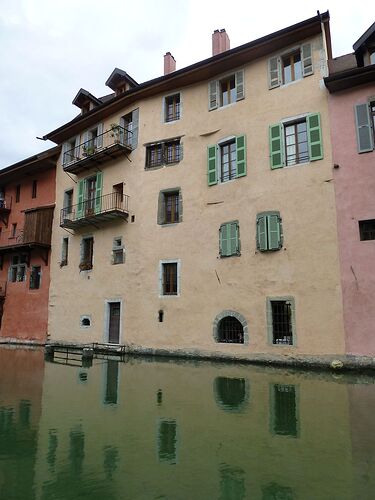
<point>169,224</point>
<point>166,122</point>
<point>231,255</point>
<point>169,296</point>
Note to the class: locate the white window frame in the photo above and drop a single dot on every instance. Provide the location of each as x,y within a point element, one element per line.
<point>163,120</point>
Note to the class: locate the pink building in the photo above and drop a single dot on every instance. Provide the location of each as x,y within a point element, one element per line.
<point>351,83</point>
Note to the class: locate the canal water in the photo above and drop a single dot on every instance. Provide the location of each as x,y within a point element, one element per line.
<point>147,428</point>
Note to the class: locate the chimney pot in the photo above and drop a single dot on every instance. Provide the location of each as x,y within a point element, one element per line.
<point>169,63</point>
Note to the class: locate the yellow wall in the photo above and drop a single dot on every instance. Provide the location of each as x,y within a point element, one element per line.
<point>305,268</point>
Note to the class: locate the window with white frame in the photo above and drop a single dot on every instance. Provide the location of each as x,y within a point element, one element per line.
<point>226,90</point>
<point>17,269</point>
<point>226,160</point>
<point>290,66</point>
<point>172,107</point>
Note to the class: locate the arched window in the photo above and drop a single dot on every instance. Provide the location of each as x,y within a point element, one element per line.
<point>231,393</point>
<point>230,330</point>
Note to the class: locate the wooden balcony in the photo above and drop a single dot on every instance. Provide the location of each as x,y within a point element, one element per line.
<point>95,210</point>
<point>106,146</point>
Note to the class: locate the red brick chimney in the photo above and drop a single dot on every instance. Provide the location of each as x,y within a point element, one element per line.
<point>169,63</point>
<point>220,42</point>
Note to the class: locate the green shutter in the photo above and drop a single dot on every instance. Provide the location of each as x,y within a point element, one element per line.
<point>274,72</point>
<point>240,87</point>
<point>99,139</point>
<point>234,238</point>
<point>229,242</point>
<point>98,192</point>
<point>307,64</point>
<point>212,95</point>
<point>363,127</point>
<point>211,165</point>
<point>261,233</point>
<point>223,240</point>
<point>276,146</point>
<point>314,134</point>
<point>241,155</point>
<point>81,192</point>
<point>273,232</point>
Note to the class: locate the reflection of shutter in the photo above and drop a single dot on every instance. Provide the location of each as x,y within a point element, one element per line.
<point>240,86</point>
<point>261,233</point>
<point>276,146</point>
<point>365,141</point>
<point>273,230</point>
<point>314,134</point>
<point>99,139</point>
<point>135,118</point>
<point>241,155</point>
<point>212,95</point>
<point>306,56</point>
<point>274,72</point>
<point>98,192</point>
<point>211,165</point>
<point>81,191</point>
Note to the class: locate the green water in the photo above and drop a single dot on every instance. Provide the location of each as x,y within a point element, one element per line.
<point>163,429</point>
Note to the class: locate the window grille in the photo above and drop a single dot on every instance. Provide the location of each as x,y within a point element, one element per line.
<point>230,331</point>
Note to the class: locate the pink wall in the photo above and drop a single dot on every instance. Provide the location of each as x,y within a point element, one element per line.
<point>355,201</point>
<point>26,311</point>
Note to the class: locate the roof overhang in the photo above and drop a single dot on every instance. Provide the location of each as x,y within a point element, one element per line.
<point>83,96</point>
<point>119,77</point>
<point>203,70</point>
<point>350,78</point>
<point>37,163</point>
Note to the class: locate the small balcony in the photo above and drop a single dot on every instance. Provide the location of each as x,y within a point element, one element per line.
<point>5,208</point>
<point>95,210</point>
<point>104,147</point>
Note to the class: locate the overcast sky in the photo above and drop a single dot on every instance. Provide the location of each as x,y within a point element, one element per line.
<point>51,48</point>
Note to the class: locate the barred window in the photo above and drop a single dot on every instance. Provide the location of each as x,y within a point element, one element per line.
<point>163,153</point>
<point>230,330</point>
<point>172,108</point>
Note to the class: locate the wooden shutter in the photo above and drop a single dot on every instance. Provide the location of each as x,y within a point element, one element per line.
<point>273,232</point>
<point>276,146</point>
<point>241,155</point>
<point>85,144</point>
<point>122,133</point>
<point>262,233</point>
<point>223,240</point>
<point>213,95</point>
<point>240,85</point>
<point>99,139</point>
<point>135,118</point>
<point>80,195</point>
<point>365,138</point>
<point>306,56</point>
<point>211,165</point>
<point>229,239</point>
<point>65,148</point>
<point>234,238</point>
<point>98,192</point>
<point>314,134</point>
<point>274,72</point>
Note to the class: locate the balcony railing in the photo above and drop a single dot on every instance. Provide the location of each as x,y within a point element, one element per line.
<point>106,146</point>
<point>5,203</point>
<point>103,208</point>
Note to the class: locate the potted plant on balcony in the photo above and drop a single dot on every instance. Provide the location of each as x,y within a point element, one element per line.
<point>116,132</point>
<point>85,266</point>
<point>88,150</point>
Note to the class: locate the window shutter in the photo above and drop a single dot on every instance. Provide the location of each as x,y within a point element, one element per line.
<point>273,232</point>
<point>161,208</point>
<point>98,192</point>
<point>223,244</point>
<point>211,165</point>
<point>212,95</point>
<point>65,148</point>
<point>274,72</point>
<point>240,85</point>
<point>314,134</point>
<point>307,64</point>
<point>122,130</point>
<point>365,141</point>
<point>233,237</point>
<point>241,155</point>
<point>85,138</point>
<point>99,139</point>
<point>77,148</point>
<point>276,146</point>
<point>180,205</point>
<point>261,233</point>
<point>228,239</point>
<point>135,118</point>
<point>80,191</point>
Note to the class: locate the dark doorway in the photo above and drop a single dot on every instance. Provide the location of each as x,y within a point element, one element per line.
<point>114,323</point>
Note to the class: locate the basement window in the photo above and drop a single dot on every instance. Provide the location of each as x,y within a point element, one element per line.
<point>230,330</point>
<point>85,321</point>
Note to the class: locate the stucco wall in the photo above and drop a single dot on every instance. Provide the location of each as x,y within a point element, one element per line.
<point>354,186</point>
<point>306,268</point>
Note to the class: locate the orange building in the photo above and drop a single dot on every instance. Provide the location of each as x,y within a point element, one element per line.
<point>27,197</point>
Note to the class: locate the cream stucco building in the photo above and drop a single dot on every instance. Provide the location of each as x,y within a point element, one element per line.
<point>195,213</point>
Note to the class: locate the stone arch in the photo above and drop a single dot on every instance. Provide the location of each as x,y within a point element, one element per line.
<point>233,314</point>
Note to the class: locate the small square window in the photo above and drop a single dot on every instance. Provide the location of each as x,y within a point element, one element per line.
<point>172,108</point>
<point>367,229</point>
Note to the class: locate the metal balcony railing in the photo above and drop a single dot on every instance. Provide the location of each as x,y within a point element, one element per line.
<point>102,208</point>
<point>5,203</point>
<point>98,149</point>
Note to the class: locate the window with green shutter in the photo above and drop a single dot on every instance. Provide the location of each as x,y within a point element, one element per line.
<point>269,231</point>
<point>226,160</point>
<point>229,239</point>
<point>295,142</point>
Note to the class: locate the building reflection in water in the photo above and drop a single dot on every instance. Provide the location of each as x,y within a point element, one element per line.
<point>231,394</point>
<point>284,410</point>
<point>232,483</point>
<point>111,370</point>
<point>274,491</point>
<point>167,441</point>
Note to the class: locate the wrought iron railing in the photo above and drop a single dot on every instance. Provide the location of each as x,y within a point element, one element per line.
<point>95,206</point>
<point>5,202</point>
<point>116,135</point>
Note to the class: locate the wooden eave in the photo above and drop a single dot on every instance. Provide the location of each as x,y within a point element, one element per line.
<point>201,71</point>
<point>37,163</point>
<point>350,78</point>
